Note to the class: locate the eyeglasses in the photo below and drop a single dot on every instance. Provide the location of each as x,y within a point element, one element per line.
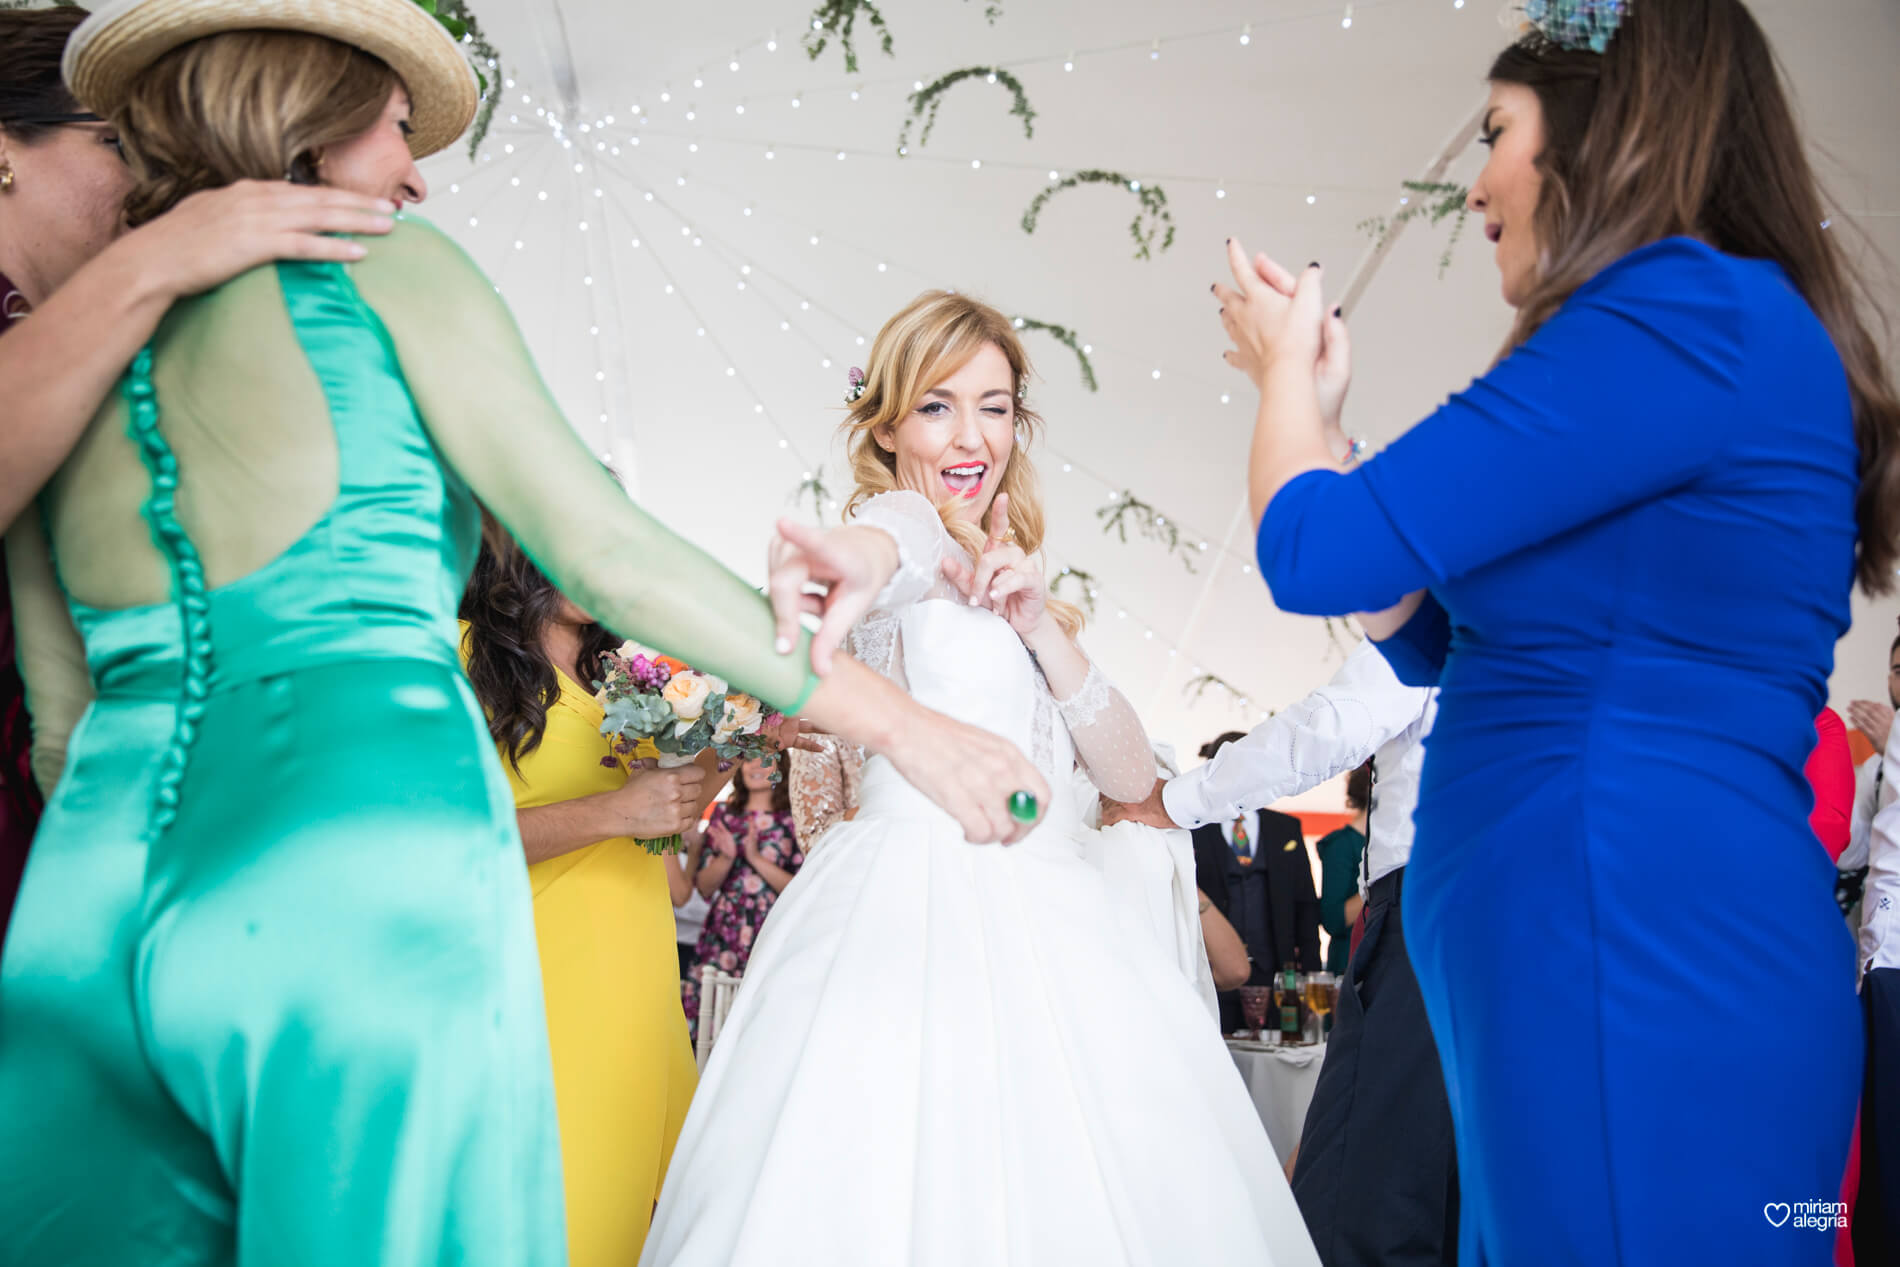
<point>78,118</point>
<point>51,120</point>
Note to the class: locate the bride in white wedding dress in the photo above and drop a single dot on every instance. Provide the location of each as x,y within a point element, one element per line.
<point>947,1053</point>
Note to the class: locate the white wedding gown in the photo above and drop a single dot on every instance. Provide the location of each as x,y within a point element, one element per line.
<point>955,1054</point>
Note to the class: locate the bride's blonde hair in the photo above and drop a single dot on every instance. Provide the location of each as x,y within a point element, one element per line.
<point>917,349</point>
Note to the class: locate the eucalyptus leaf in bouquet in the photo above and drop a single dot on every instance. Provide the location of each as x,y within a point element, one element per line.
<point>680,712</point>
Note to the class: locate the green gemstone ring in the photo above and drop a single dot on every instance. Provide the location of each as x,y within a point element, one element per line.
<point>1022,807</point>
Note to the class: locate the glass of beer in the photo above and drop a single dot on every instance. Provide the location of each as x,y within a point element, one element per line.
<point>1319,991</point>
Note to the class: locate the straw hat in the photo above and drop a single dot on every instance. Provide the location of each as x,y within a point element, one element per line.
<point>123,37</point>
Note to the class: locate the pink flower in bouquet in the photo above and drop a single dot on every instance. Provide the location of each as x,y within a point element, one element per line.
<point>648,670</point>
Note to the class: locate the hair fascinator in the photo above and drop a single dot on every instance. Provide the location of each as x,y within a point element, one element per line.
<point>1575,25</point>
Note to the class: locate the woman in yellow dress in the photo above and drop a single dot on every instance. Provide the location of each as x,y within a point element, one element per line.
<point>603,913</point>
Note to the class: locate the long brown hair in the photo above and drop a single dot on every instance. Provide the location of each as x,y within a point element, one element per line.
<point>918,348</point>
<point>244,105</point>
<point>1683,127</point>
<point>509,603</point>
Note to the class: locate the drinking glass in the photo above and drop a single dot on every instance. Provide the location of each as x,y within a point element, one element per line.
<point>1254,1002</point>
<point>1319,989</point>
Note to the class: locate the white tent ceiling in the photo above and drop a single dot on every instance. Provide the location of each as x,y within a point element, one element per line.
<point>1289,141</point>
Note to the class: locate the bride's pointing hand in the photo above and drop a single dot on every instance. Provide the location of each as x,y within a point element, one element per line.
<point>852,564</point>
<point>1004,579</point>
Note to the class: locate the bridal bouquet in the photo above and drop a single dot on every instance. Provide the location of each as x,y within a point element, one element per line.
<point>679,710</point>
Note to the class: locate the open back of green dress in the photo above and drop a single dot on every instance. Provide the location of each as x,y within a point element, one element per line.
<point>270,993</point>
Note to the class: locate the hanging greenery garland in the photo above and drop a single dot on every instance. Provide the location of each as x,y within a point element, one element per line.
<point>455,18</point>
<point>1148,224</point>
<point>1435,201</point>
<point>1196,687</point>
<point>1085,583</point>
<point>813,486</point>
<point>1066,337</point>
<point>925,102</point>
<point>1150,522</point>
<point>1342,635</point>
<point>837,20</point>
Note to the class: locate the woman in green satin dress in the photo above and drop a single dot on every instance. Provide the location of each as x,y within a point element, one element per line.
<point>270,994</point>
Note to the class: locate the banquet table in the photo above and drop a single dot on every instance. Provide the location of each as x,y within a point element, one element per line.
<point>1281,1082</point>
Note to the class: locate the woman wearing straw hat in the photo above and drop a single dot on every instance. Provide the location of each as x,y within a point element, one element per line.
<point>93,296</point>
<point>270,993</point>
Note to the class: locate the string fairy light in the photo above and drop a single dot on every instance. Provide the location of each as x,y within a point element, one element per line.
<point>743,268</point>
<point>1243,32</point>
<point>551,124</point>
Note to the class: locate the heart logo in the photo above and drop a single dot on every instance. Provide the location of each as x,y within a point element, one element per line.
<point>1776,1212</point>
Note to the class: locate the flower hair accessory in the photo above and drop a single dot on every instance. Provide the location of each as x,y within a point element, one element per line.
<point>1575,25</point>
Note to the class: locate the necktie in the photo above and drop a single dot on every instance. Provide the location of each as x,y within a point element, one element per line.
<point>1243,844</point>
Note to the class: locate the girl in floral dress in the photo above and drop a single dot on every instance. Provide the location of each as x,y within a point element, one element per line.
<point>752,852</point>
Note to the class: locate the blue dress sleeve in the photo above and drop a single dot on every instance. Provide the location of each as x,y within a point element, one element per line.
<point>1417,651</point>
<point>1625,394</point>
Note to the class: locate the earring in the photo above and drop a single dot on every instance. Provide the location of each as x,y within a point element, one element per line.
<point>6,177</point>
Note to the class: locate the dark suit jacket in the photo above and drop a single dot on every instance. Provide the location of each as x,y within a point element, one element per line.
<point>1291,917</point>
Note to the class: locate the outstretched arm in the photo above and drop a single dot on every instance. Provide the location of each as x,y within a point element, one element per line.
<point>489,413</point>
<point>485,406</point>
<point>1331,731</point>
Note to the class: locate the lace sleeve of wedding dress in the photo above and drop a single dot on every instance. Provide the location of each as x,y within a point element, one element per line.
<point>823,787</point>
<point>914,524</point>
<point>922,541</point>
<point>494,421</point>
<point>1110,741</point>
<point>52,657</point>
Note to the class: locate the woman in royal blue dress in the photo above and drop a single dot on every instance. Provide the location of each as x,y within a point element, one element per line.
<point>1625,555</point>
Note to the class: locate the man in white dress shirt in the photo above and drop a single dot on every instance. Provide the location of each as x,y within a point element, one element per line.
<point>1877,1210</point>
<point>1376,1174</point>
<point>1873,791</point>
